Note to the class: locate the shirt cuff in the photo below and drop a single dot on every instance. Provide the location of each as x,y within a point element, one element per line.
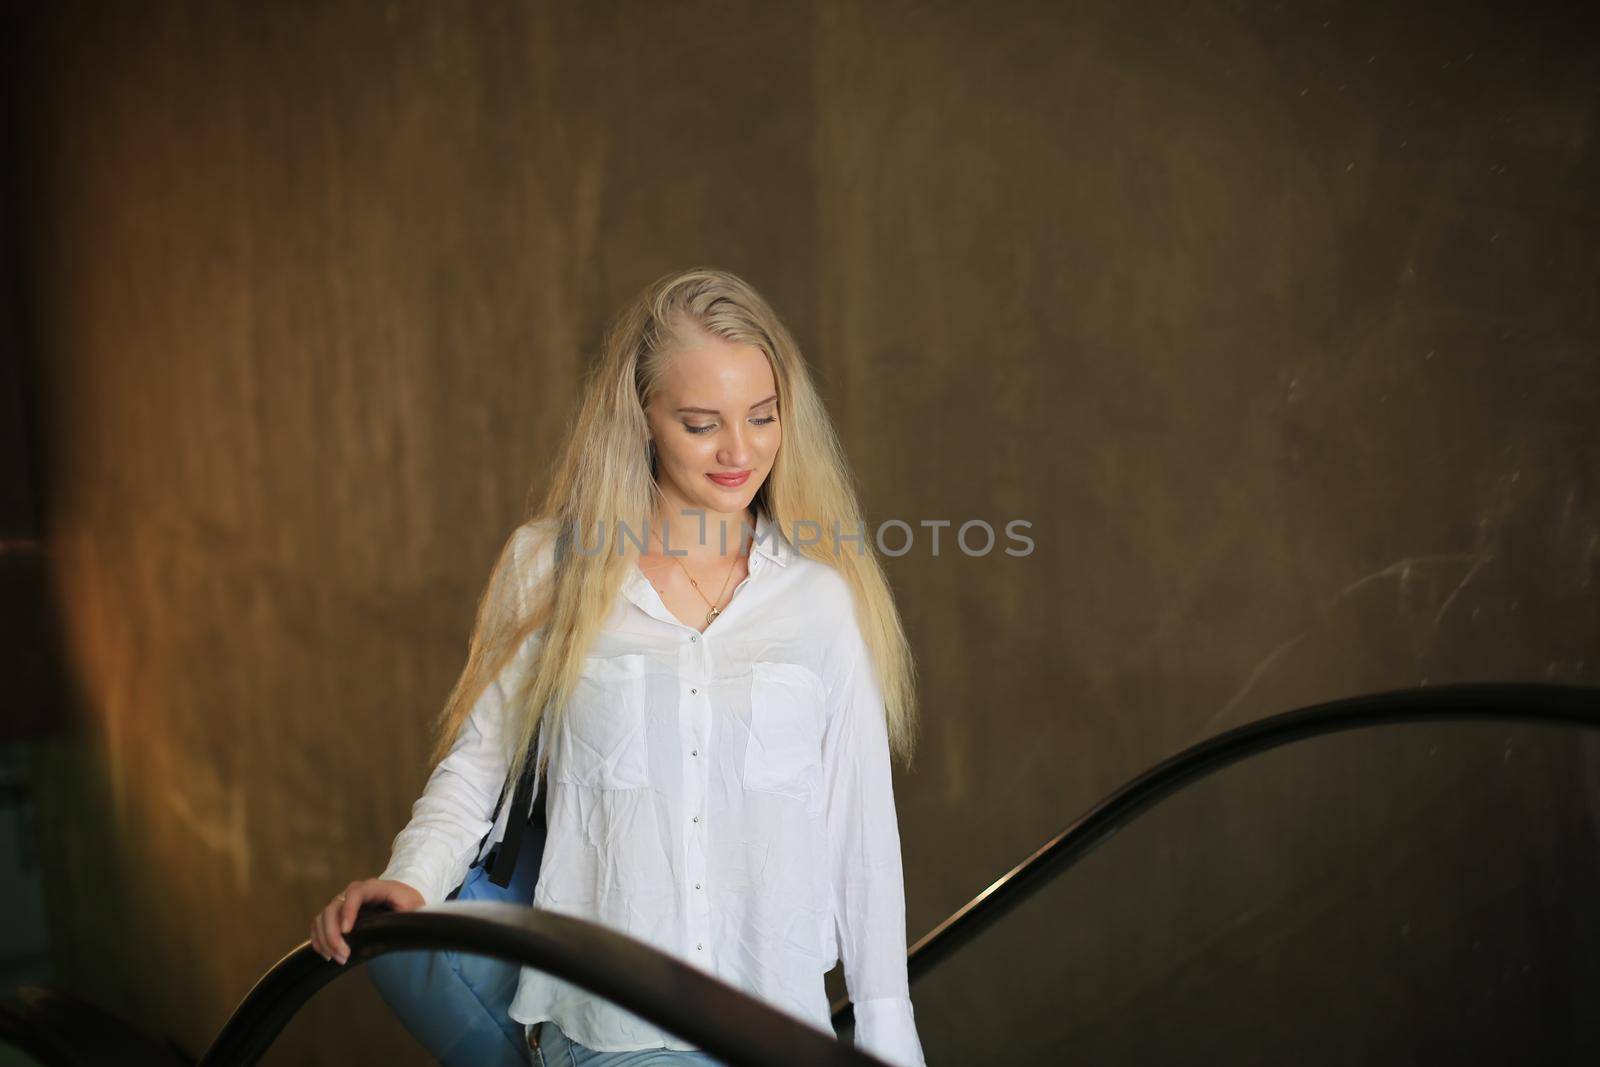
<point>415,877</point>
<point>886,1027</point>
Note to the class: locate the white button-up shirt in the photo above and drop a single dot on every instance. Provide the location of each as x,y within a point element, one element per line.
<point>723,796</point>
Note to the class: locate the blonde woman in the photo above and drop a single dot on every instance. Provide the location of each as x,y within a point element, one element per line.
<point>693,638</point>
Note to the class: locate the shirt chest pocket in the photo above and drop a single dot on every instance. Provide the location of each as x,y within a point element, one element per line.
<point>603,744</point>
<point>784,753</point>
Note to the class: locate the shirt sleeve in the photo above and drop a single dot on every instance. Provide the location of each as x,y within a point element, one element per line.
<point>448,822</point>
<point>864,845</point>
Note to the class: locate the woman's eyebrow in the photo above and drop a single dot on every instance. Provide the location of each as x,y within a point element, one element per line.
<point>713,411</point>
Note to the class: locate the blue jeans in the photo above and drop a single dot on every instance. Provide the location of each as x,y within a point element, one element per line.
<point>549,1047</point>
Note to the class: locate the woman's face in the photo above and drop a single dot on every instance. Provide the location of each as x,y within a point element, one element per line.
<point>715,413</point>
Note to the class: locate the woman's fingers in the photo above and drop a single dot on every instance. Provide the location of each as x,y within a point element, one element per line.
<point>334,921</point>
<point>328,927</point>
<point>319,939</point>
<point>347,902</point>
<point>354,896</point>
<point>331,946</point>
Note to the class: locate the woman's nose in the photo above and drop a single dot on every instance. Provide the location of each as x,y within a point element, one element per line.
<point>735,447</point>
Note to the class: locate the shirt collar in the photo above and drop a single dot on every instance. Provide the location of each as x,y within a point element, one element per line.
<point>769,540</point>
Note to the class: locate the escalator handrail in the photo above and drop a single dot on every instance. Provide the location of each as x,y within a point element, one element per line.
<point>1470,702</point>
<point>724,1021</point>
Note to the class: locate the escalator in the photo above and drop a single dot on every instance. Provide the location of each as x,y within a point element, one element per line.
<point>1453,875</point>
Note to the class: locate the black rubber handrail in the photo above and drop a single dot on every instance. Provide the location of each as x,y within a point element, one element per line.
<point>1476,702</point>
<point>740,1029</point>
<point>723,1021</point>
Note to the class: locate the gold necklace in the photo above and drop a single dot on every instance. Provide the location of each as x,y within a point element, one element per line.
<point>715,611</point>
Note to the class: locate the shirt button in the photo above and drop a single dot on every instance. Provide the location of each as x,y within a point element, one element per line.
<point>693,691</point>
<point>697,948</point>
<point>697,885</point>
<point>694,752</point>
<point>694,637</point>
<point>697,818</point>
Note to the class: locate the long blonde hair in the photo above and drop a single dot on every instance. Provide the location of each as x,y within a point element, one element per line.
<point>541,589</point>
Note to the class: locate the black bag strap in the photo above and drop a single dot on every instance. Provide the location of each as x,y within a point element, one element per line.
<point>478,852</point>
<point>504,860</point>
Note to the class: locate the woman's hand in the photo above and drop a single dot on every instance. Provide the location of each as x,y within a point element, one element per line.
<point>332,922</point>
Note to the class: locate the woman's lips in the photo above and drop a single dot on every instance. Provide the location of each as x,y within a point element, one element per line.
<point>730,481</point>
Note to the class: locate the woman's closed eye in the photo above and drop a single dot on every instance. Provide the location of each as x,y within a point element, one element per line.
<point>712,426</point>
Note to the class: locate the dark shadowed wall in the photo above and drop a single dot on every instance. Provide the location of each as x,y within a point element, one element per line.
<point>1278,322</point>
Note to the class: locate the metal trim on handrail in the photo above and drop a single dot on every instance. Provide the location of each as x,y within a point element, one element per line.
<point>1473,702</point>
<point>723,1021</point>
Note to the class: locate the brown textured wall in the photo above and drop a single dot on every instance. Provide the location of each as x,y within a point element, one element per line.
<point>1278,323</point>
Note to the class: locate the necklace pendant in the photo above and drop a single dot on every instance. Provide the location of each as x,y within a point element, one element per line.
<point>712,614</point>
